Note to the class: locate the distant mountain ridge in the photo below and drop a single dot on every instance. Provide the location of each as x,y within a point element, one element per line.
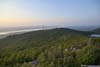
<point>84,28</point>
<point>97,30</point>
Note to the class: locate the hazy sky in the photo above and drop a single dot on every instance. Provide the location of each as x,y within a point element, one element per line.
<point>49,12</point>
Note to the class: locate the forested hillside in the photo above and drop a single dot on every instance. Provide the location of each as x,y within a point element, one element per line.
<point>58,47</point>
<point>97,30</point>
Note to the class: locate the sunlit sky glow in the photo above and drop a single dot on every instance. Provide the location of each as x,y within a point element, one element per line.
<point>49,12</point>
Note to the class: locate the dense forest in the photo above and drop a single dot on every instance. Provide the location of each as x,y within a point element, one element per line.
<point>60,47</point>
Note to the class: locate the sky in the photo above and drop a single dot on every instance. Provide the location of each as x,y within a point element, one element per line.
<point>49,12</point>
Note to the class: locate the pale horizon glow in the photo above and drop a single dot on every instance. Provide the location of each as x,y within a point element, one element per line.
<point>49,12</point>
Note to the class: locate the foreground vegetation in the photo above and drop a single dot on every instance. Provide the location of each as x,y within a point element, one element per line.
<point>50,48</point>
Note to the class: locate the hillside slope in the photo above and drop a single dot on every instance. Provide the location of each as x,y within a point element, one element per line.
<point>97,30</point>
<point>40,36</point>
<point>58,47</point>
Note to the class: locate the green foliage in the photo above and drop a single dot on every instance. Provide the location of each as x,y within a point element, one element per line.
<point>49,48</point>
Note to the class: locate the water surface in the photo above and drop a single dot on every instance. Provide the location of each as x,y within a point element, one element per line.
<point>95,35</point>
